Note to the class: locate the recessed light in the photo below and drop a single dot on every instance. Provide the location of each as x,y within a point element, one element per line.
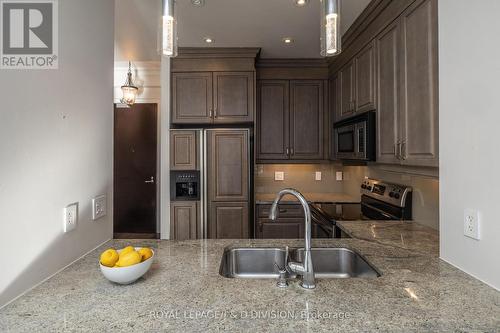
<point>208,40</point>
<point>198,3</point>
<point>300,3</point>
<point>287,40</point>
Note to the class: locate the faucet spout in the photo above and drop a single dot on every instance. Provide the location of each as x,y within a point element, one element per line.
<point>305,269</point>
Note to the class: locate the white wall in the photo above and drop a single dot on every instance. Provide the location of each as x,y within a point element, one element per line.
<point>469,71</point>
<point>56,148</point>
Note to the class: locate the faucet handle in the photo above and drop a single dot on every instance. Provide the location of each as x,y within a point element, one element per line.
<point>282,282</point>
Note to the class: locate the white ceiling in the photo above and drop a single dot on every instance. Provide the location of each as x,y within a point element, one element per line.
<point>231,23</point>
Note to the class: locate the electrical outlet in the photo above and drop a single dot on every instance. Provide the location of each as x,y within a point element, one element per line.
<point>98,207</point>
<point>471,223</point>
<point>279,175</point>
<point>317,176</point>
<point>338,175</point>
<point>70,217</point>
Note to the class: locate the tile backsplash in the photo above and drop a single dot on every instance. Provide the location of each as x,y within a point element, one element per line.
<point>298,176</point>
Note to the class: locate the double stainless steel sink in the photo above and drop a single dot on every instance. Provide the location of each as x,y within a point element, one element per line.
<point>260,263</point>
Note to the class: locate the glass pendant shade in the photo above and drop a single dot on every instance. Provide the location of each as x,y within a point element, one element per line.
<point>330,28</point>
<point>129,91</point>
<point>169,29</point>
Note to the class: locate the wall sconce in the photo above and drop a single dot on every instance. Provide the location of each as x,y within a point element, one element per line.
<point>169,29</point>
<point>128,89</point>
<point>330,28</point>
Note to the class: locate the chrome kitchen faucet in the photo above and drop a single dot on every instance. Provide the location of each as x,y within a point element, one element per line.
<point>305,269</point>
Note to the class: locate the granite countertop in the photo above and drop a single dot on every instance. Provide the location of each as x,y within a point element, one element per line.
<point>268,198</point>
<point>183,292</point>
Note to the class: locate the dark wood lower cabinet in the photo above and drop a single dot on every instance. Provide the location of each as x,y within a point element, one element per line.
<point>228,220</point>
<point>280,229</point>
<point>183,220</point>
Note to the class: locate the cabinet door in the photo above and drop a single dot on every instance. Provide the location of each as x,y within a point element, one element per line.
<point>183,220</point>
<point>280,229</point>
<point>234,97</point>
<point>228,220</point>
<point>191,98</point>
<point>387,47</point>
<point>228,165</point>
<point>346,78</point>
<point>365,79</point>
<point>419,112</point>
<point>273,120</point>
<point>306,119</point>
<point>183,151</point>
<point>334,103</point>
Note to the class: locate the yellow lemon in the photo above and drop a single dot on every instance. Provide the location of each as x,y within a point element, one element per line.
<point>109,257</point>
<point>145,253</point>
<point>129,259</point>
<point>127,250</point>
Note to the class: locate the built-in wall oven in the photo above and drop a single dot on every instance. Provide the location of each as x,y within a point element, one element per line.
<point>354,138</point>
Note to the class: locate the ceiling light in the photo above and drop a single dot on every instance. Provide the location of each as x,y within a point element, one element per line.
<point>169,40</point>
<point>208,40</point>
<point>330,28</point>
<point>300,3</point>
<point>287,40</point>
<point>129,90</point>
<point>198,3</point>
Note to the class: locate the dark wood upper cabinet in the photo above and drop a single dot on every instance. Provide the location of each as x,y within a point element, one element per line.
<point>192,98</point>
<point>183,220</point>
<point>213,97</point>
<point>273,120</point>
<point>234,97</point>
<point>183,154</point>
<point>290,120</point>
<point>306,119</point>
<point>228,165</point>
<point>387,46</point>
<point>419,78</point>
<point>364,86</point>
<point>346,81</point>
<point>228,220</point>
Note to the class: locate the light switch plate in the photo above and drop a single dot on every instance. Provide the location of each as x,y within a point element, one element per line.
<point>471,223</point>
<point>338,175</point>
<point>98,207</point>
<point>70,217</point>
<point>317,175</point>
<point>279,175</point>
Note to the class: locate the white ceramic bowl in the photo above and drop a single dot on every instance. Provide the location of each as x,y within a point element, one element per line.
<point>127,275</point>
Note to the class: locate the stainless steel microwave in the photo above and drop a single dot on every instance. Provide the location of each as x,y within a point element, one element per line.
<point>354,138</point>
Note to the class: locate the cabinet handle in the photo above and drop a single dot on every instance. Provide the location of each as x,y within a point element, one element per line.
<point>397,151</point>
<point>403,150</point>
<point>292,151</point>
<point>215,113</point>
<point>210,113</point>
<point>287,151</point>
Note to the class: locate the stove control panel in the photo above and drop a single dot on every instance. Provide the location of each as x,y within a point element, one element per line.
<point>394,194</point>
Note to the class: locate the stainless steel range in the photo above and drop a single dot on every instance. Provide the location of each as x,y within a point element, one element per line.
<point>379,201</point>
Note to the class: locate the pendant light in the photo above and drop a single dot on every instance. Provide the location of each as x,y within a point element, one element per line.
<point>128,89</point>
<point>330,28</point>
<point>169,39</point>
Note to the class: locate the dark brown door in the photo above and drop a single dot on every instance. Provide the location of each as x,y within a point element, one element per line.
<point>192,98</point>
<point>135,152</point>
<point>228,220</point>
<point>346,77</point>
<point>183,152</point>
<point>273,120</point>
<point>233,97</point>
<point>306,120</point>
